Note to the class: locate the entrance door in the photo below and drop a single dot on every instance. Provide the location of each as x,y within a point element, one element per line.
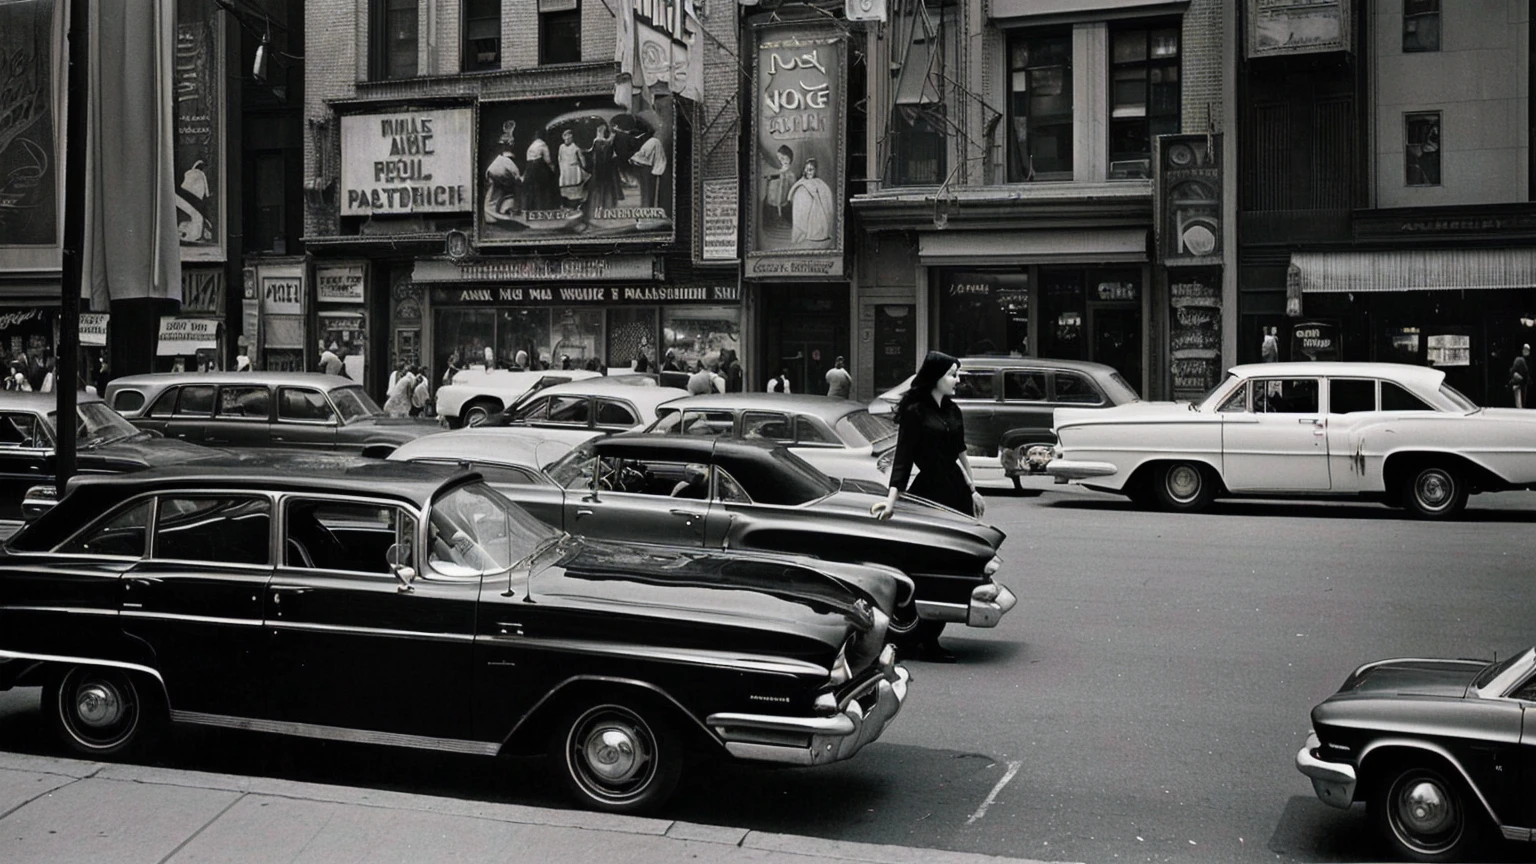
<point>806,348</point>
<point>1116,335</point>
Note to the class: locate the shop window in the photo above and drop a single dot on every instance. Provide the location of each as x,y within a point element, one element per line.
<point>631,337</point>
<point>1062,310</point>
<point>392,38</point>
<point>983,312</point>
<point>466,332</point>
<point>707,335</point>
<point>559,31</point>
<point>1040,107</point>
<point>1421,143</point>
<point>1421,25</point>
<point>1351,395</point>
<point>1143,95</point>
<point>575,334</point>
<point>481,49</point>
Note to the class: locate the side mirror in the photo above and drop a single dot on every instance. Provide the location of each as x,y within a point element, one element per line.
<point>397,555</point>
<point>37,501</point>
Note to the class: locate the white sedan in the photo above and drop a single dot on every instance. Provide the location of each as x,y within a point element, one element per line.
<point>1381,431</point>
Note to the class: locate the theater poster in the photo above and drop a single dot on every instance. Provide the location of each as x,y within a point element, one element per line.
<point>795,214</point>
<point>199,156</point>
<point>32,88</point>
<point>573,171</point>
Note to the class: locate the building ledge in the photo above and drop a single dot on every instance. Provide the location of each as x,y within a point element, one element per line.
<point>1022,205</point>
<point>538,81</point>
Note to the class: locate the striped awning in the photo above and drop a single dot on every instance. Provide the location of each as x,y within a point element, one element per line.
<point>1412,270</point>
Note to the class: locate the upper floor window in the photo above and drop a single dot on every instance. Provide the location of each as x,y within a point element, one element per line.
<point>1040,107</point>
<point>559,31</point>
<point>919,145</point>
<point>1421,25</point>
<point>1421,148</point>
<point>481,50</point>
<point>392,38</point>
<point>1143,95</point>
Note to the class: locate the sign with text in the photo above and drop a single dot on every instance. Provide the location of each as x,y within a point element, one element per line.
<point>1315,340</point>
<point>565,295</point>
<point>608,267</point>
<point>1277,28</point>
<point>1194,331</point>
<point>202,291</point>
<point>1188,194</point>
<point>32,84</point>
<point>719,225</point>
<point>795,216</point>
<point>199,150</point>
<point>407,162</point>
<point>282,295</point>
<point>184,336</point>
<point>339,284</point>
<point>93,328</point>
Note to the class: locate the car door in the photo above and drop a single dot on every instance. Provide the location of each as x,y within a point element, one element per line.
<point>1281,442</point>
<point>243,417</point>
<point>1352,407</point>
<point>1526,693</point>
<point>26,459</point>
<point>305,419</point>
<point>195,598</point>
<point>352,647</point>
<point>194,410</point>
<point>158,416</point>
<point>642,501</point>
<point>977,396</point>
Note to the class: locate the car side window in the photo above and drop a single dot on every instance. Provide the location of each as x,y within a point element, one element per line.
<point>165,405</point>
<point>807,432</point>
<point>537,409</point>
<point>196,401</point>
<point>21,429</point>
<point>1237,403</point>
<point>766,425</point>
<point>569,409</point>
<point>1285,396</point>
<point>615,414</point>
<point>120,533</point>
<point>298,403</point>
<point>728,490</point>
<point>708,423</point>
<point>254,402</point>
<point>126,401</point>
<point>337,535</point>
<point>654,477</point>
<point>1023,385</point>
<point>1395,398</point>
<point>1075,389</point>
<point>222,529</point>
<point>505,475</point>
<point>1526,691</point>
<point>1351,395</point>
<point>976,384</point>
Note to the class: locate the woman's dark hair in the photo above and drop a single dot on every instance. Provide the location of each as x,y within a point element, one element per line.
<point>934,367</point>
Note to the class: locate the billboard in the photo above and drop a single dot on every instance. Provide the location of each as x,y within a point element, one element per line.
<point>406,162</point>
<point>32,89</point>
<point>574,171</point>
<point>199,152</point>
<point>795,213</point>
<point>1277,28</point>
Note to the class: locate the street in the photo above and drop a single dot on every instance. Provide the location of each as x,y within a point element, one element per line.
<point>1143,703</point>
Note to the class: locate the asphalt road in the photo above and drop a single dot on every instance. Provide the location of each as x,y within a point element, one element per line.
<point>1143,703</point>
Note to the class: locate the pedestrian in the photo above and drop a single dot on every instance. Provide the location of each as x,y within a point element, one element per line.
<point>779,384</point>
<point>642,364</point>
<point>670,365</point>
<point>398,403</point>
<point>839,382</point>
<point>453,368</point>
<point>330,361</point>
<point>394,378</point>
<point>700,382</point>
<point>1520,376</point>
<point>421,392</point>
<point>565,362</point>
<point>733,373</point>
<point>716,378</point>
<point>48,377</point>
<point>243,357</point>
<point>103,376</point>
<point>520,361</point>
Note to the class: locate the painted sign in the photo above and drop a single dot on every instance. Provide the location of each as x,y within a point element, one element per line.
<point>575,171</point>
<point>282,295</point>
<point>1315,340</point>
<point>31,128</point>
<point>796,214</point>
<point>1189,200</point>
<point>407,162</point>
<point>719,225</point>
<point>574,296</point>
<point>339,284</point>
<point>648,268</point>
<point>93,329</point>
<point>202,291</point>
<point>1277,28</point>
<point>184,336</point>
<point>199,149</point>
<point>1194,331</point>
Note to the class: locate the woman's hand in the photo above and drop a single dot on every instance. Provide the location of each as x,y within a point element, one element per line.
<point>978,503</point>
<point>883,510</point>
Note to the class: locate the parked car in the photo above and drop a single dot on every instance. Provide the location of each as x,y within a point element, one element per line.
<point>615,403</point>
<point>1008,402</point>
<point>841,438</point>
<point>104,443</point>
<point>712,493</point>
<point>413,606</point>
<point>262,409</point>
<point>503,455</point>
<point>1379,431</point>
<point>1441,751</point>
<point>478,393</point>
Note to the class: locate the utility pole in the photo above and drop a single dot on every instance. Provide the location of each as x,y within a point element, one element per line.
<point>68,364</point>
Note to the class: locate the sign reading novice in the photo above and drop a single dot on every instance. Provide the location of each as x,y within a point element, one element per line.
<point>795,217</point>
<point>406,162</point>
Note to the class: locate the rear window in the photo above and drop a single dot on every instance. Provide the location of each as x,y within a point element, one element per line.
<point>1129,394</point>
<point>1351,395</point>
<point>127,401</point>
<point>861,427</point>
<point>783,478</point>
<point>1395,398</point>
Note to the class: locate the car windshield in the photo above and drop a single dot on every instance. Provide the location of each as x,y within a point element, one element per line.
<point>861,427</point>
<point>353,404</point>
<point>98,425</point>
<point>1457,398</point>
<point>1201,403</point>
<point>473,530</point>
<point>1494,670</point>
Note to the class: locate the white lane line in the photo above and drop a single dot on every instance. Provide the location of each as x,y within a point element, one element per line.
<point>1013,768</point>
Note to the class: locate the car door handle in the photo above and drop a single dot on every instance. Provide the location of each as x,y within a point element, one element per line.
<point>688,514</point>
<point>583,512</point>
<point>289,589</point>
<point>279,438</point>
<point>1313,420</point>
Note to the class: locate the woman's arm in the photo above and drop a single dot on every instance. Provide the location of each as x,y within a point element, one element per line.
<point>978,504</point>
<point>907,433</point>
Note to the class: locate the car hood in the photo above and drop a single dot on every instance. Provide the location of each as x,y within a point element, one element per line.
<point>1413,677</point>
<point>148,451</point>
<point>1130,412</point>
<point>856,497</point>
<point>384,422</point>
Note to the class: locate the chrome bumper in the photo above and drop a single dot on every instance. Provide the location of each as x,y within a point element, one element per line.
<point>1334,782</point>
<point>1067,469</point>
<point>989,603</point>
<point>861,717</point>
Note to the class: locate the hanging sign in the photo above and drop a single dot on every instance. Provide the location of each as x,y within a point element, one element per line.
<point>93,328</point>
<point>184,336</point>
<point>339,284</point>
<point>282,295</point>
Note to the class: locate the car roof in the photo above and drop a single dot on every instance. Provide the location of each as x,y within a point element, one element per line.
<point>163,379</point>
<point>993,361</point>
<point>702,447</point>
<point>44,402</point>
<point>825,407</point>
<point>507,445</point>
<point>618,387</point>
<point>1424,376</point>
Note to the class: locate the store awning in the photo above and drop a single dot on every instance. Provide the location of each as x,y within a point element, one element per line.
<point>1413,270</point>
<point>1106,246</point>
<point>181,337</point>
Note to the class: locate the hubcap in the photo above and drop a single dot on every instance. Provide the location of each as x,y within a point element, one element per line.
<point>1183,483</point>
<point>1423,808</point>
<point>613,753</point>
<point>98,705</point>
<point>1434,489</point>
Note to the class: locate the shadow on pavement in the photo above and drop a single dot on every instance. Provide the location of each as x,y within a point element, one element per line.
<point>1301,509</point>
<point>1309,830</point>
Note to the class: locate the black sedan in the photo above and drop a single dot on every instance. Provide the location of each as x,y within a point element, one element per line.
<point>413,606</point>
<point>1443,752</point>
<point>719,494</point>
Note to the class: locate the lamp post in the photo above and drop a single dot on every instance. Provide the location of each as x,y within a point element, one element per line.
<point>68,359</point>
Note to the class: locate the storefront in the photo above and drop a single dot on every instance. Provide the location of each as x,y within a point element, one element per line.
<point>275,301</point>
<point>199,345</point>
<point>342,314</point>
<point>804,330</point>
<point>28,335</point>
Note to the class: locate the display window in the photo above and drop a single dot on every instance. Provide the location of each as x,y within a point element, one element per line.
<point>982,312</point>
<point>708,335</point>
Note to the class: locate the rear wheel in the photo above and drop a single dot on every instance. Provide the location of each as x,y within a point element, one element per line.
<point>478,411</point>
<point>1423,811</point>
<point>1185,486</point>
<point>619,756</point>
<point>97,711</point>
<point>1434,492</point>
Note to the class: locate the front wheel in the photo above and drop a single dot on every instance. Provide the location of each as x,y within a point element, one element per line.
<point>96,711</point>
<point>1434,492</point>
<point>1423,812</point>
<point>1185,486</point>
<point>617,757</point>
<point>477,412</point>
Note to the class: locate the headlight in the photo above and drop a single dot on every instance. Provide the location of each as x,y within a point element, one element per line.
<point>993,566</point>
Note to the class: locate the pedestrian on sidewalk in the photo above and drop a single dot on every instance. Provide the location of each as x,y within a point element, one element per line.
<point>839,382</point>
<point>1520,377</point>
<point>779,384</point>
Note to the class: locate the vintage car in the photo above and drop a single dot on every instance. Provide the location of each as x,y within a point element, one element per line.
<point>104,443</point>
<point>1379,431</point>
<point>839,437</point>
<point>1008,402</point>
<point>477,393</point>
<point>615,403</point>
<point>711,493</point>
<point>1443,752</point>
<point>306,410</point>
<point>413,606</point>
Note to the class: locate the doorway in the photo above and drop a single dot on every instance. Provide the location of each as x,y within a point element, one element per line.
<point>805,331</point>
<point>1116,334</point>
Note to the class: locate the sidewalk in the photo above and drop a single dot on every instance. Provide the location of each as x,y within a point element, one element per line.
<point>61,811</point>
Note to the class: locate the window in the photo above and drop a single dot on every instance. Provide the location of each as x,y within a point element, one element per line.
<point>303,405</point>
<point>505,475</point>
<point>766,425</point>
<point>921,43</point>
<point>165,406</point>
<point>1286,396</point>
<point>1075,389</point>
<point>21,429</point>
<point>196,401</point>
<point>977,384</point>
<point>1421,148</point>
<point>1351,396</point>
<point>1023,385</point>
<point>728,490</point>
<point>392,38</point>
<point>126,401</point>
<point>559,31</point>
<point>1143,96</point>
<point>1237,403</point>
<point>481,49</point>
<point>1040,107</point>
<point>1395,398</point>
<point>120,533</point>
<point>268,204</point>
<point>245,402</point>
<point>919,148</point>
<point>715,423</point>
<point>1421,25</point>
<point>615,414</point>
<point>984,312</point>
<point>224,530</point>
<point>569,409</point>
<point>335,535</point>
<point>807,432</point>
<point>538,409</point>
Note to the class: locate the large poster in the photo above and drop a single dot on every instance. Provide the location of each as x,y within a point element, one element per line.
<point>31,133</point>
<point>1189,199</point>
<point>796,210</point>
<point>1282,27</point>
<point>574,171</point>
<point>199,131</point>
<point>1194,331</point>
<point>407,162</point>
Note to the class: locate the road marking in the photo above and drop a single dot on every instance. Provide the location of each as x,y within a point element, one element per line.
<point>1013,768</point>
